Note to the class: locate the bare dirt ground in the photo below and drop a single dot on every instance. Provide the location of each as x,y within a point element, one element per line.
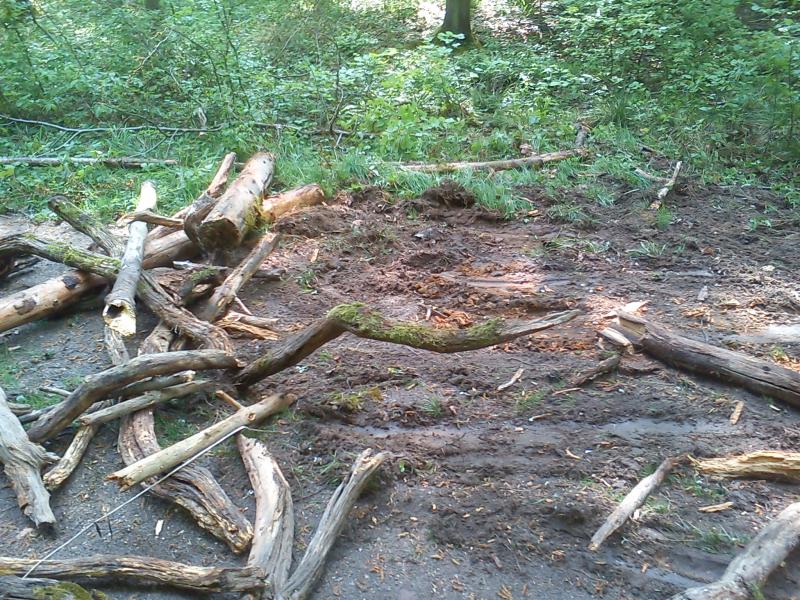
<point>491,494</point>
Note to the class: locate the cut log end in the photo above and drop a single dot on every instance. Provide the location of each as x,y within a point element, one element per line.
<point>120,316</point>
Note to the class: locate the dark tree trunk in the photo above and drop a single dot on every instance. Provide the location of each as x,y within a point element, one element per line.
<point>457,19</point>
<point>152,4</point>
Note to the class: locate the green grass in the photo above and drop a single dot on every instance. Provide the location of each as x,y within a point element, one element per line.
<point>717,86</point>
<point>528,400</point>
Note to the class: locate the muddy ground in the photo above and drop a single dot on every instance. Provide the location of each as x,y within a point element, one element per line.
<point>491,494</point>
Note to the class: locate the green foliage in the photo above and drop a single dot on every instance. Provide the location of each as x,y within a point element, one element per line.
<point>714,84</point>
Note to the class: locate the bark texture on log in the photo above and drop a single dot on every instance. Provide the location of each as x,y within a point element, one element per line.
<point>46,299</point>
<point>302,581</point>
<point>71,458</point>
<point>102,384</point>
<point>365,322</point>
<point>230,219</point>
<point>280,204</point>
<point>635,498</point>
<point>23,462</point>
<point>174,455</point>
<point>748,571</point>
<point>138,570</point>
<point>271,552</point>
<point>497,165</point>
<point>754,374</point>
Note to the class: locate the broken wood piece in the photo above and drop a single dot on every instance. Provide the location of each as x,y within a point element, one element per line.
<point>275,206</point>
<point>751,568</point>
<point>238,277</point>
<point>179,452</point>
<point>737,412</point>
<point>764,464</point>
<point>119,313</point>
<point>635,498</point>
<point>232,216</point>
<point>364,322</point>
<point>273,536</point>
<point>102,384</point>
<point>666,190</point>
<point>537,160</point>
<point>304,577</point>
<point>148,216</point>
<point>228,399</point>
<point>604,366</point>
<point>760,376</point>
<point>122,162</point>
<point>46,299</point>
<point>514,379</point>
<point>23,461</point>
<point>138,570</point>
<point>71,458</point>
<point>716,507</point>
<point>249,325</point>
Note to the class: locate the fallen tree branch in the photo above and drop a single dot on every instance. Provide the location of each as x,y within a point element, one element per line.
<point>537,160</point>
<point>81,130</point>
<point>138,570</point>
<point>120,310</point>
<point>102,384</point>
<point>121,162</point>
<point>238,277</point>
<point>748,571</point>
<point>336,514</point>
<point>604,366</point>
<point>23,461</point>
<point>666,190</point>
<point>271,552</point>
<point>231,217</point>
<point>760,376</point>
<point>635,498</point>
<point>766,464</point>
<point>148,216</point>
<point>177,453</point>
<point>364,322</point>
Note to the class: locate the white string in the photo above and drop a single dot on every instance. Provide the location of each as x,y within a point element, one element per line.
<point>129,500</point>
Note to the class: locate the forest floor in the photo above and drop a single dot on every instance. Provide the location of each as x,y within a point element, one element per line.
<point>491,493</point>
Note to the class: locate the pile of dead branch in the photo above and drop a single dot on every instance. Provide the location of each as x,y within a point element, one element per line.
<point>222,231</point>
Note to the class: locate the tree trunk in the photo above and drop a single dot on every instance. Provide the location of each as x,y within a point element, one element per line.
<point>457,20</point>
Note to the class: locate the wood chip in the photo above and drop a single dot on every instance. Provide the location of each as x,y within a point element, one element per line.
<point>737,412</point>
<point>716,507</point>
<point>571,455</point>
<point>514,379</point>
<point>703,294</point>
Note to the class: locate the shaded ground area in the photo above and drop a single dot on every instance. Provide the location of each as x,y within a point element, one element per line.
<point>492,493</point>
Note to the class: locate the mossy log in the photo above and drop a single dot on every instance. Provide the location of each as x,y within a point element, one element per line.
<point>757,375</point>
<point>23,461</point>
<point>762,555</point>
<point>34,588</point>
<point>365,322</point>
<point>233,215</point>
<point>103,384</point>
<point>138,570</point>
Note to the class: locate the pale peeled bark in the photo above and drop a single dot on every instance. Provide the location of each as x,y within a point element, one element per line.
<point>496,165</point>
<point>271,552</point>
<point>174,455</point>
<point>280,204</point>
<point>23,461</point>
<point>120,310</point>
<point>765,464</point>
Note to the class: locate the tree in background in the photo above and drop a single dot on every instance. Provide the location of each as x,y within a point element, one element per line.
<point>152,4</point>
<point>458,21</point>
